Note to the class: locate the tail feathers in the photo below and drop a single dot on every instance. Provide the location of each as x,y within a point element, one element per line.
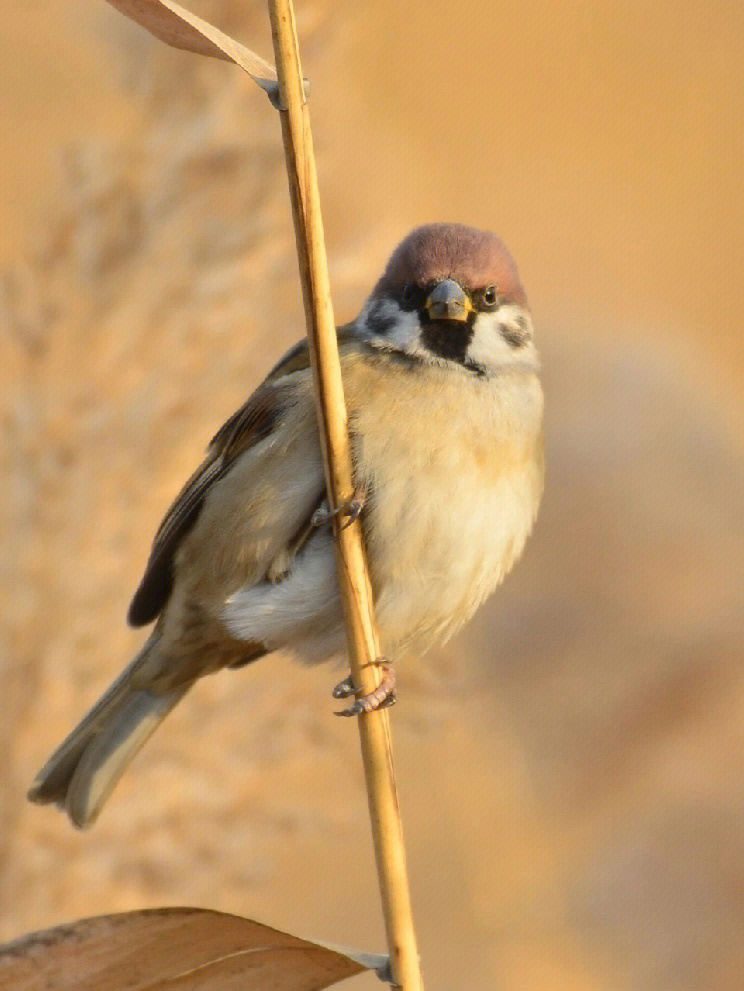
<point>108,754</point>
<point>83,771</point>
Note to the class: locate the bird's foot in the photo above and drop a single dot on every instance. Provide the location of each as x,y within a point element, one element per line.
<point>382,697</point>
<point>350,508</point>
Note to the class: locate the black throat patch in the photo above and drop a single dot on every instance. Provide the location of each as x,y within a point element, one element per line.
<point>448,338</point>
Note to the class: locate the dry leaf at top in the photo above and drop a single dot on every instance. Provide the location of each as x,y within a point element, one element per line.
<point>182,29</point>
<point>181,949</point>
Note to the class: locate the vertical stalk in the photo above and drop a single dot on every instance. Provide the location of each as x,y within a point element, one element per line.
<point>355,588</point>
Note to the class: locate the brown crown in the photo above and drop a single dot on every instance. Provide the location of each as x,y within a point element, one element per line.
<point>452,251</point>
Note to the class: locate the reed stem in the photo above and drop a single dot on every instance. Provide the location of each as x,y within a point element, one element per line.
<point>354,582</point>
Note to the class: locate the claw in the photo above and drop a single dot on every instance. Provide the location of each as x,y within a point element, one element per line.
<point>382,697</point>
<point>344,689</point>
<point>351,508</point>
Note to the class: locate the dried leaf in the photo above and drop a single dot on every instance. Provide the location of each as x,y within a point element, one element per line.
<point>181,949</point>
<point>182,29</point>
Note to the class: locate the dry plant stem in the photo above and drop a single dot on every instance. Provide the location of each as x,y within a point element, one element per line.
<point>356,592</point>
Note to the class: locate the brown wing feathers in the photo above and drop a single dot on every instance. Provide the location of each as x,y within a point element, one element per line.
<point>253,422</point>
<point>157,581</point>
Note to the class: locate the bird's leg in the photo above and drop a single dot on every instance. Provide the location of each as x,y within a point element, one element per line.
<point>383,696</point>
<point>350,508</point>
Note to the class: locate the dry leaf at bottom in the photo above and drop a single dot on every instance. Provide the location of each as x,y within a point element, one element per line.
<point>174,949</point>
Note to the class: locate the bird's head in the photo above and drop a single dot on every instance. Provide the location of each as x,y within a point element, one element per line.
<point>451,295</point>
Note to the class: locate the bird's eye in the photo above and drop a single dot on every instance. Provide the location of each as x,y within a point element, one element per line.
<point>490,296</point>
<point>409,292</point>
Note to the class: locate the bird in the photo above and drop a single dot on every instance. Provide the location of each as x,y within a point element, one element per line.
<point>441,379</point>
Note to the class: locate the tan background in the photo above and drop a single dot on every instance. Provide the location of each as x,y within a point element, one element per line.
<point>572,767</point>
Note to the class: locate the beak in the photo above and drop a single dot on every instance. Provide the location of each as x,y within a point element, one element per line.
<point>448,301</point>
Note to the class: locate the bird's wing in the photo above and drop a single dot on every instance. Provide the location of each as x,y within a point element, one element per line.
<point>258,418</point>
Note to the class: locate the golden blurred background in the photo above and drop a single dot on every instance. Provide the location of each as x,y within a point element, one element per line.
<point>572,766</point>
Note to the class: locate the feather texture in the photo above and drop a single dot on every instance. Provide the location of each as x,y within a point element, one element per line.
<point>447,443</point>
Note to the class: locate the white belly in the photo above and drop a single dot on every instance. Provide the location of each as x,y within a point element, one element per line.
<point>432,572</point>
<point>454,472</point>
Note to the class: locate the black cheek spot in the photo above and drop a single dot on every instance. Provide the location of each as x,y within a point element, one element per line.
<point>378,321</point>
<point>516,334</point>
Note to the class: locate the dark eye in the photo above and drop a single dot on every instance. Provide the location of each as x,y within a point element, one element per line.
<point>490,296</point>
<point>409,294</point>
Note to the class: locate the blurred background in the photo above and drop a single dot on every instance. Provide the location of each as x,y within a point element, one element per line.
<point>572,766</point>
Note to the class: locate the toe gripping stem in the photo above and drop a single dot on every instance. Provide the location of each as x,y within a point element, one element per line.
<point>349,508</point>
<point>382,697</point>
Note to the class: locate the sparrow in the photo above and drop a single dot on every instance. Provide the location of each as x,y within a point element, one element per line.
<point>440,374</point>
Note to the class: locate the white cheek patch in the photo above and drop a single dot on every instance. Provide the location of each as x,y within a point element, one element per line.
<point>383,322</point>
<point>502,337</point>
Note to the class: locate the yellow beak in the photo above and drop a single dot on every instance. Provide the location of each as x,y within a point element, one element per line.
<point>448,301</point>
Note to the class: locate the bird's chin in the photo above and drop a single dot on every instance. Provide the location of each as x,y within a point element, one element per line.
<point>448,338</point>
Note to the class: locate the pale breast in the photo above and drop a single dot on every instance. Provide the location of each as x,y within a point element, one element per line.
<point>454,467</point>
